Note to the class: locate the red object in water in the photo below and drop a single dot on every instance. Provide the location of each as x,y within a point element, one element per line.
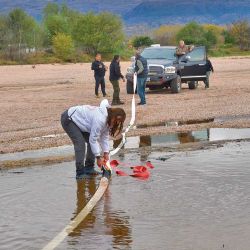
<point>140,172</point>
<point>149,164</point>
<point>121,173</point>
<point>114,163</point>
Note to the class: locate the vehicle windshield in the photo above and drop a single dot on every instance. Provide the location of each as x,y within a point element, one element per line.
<point>159,53</point>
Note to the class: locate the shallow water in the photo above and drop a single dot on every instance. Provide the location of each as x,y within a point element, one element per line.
<point>193,200</point>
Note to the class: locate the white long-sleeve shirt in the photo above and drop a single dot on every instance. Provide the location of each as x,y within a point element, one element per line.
<point>93,120</point>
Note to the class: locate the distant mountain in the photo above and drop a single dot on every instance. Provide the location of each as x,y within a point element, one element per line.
<point>148,12</point>
<point>35,7</point>
<point>160,12</point>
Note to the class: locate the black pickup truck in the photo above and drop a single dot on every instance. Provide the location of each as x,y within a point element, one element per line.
<point>167,70</point>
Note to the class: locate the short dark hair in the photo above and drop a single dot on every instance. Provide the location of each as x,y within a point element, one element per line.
<point>116,57</point>
<point>98,53</point>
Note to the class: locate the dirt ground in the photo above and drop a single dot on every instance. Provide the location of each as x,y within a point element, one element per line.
<point>32,100</point>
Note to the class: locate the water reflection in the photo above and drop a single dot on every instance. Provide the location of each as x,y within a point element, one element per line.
<point>211,134</point>
<point>116,222</point>
<point>85,190</point>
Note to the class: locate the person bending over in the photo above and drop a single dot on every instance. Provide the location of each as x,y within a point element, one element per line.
<point>92,126</point>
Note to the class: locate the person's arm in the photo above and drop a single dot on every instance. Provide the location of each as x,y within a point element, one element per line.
<point>104,141</point>
<point>93,138</point>
<point>190,48</point>
<point>118,71</point>
<point>94,66</point>
<point>140,66</point>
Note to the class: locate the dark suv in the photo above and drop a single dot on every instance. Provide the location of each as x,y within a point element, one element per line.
<point>167,70</point>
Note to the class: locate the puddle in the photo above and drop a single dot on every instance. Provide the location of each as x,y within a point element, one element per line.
<point>193,122</point>
<point>211,134</point>
<point>194,200</point>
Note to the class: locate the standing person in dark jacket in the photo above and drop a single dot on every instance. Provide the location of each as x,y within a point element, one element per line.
<point>100,70</point>
<point>141,68</point>
<point>209,69</point>
<point>114,76</point>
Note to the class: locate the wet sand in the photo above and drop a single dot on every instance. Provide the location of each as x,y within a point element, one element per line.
<point>33,99</point>
<point>193,200</point>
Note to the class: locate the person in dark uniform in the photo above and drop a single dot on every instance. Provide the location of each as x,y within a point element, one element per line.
<point>99,73</point>
<point>114,76</point>
<point>209,69</point>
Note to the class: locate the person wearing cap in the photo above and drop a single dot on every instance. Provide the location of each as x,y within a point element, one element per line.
<point>92,125</point>
<point>141,69</point>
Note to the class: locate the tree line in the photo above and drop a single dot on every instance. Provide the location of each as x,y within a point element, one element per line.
<point>64,34</point>
<point>219,40</point>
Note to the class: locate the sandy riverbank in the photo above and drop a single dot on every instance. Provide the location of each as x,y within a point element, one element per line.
<point>33,99</point>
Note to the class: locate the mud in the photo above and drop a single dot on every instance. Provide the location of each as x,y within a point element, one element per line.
<point>193,200</point>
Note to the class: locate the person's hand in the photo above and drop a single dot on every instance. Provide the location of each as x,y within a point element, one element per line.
<point>100,161</point>
<point>106,156</point>
<point>106,67</point>
<point>123,79</point>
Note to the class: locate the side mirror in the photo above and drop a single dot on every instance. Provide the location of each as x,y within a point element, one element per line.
<point>132,58</point>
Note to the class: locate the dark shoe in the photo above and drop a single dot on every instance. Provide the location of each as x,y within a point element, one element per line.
<point>117,103</point>
<point>91,171</point>
<point>80,175</point>
<point>140,103</point>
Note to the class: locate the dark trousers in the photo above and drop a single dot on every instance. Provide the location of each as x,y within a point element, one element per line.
<point>79,140</point>
<point>98,81</point>
<point>116,88</point>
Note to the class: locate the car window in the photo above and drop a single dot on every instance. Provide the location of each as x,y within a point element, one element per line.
<point>159,53</point>
<point>197,55</point>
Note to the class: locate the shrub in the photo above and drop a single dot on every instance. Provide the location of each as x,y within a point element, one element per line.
<point>63,46</point>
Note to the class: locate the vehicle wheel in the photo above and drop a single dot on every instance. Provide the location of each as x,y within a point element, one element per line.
<point>175,85</point>
<point>193,85</point>
<point>130,87</point>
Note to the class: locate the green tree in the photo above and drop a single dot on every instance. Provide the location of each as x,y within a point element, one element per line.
<point>50,10</point>
<point>22,27</point>
<point>211,38</point>
<point>192,33</point>
<point>58,19</point>
<point>228,37</point>
<point>63,46</point>
<point>99,33</point>
<point>142,41</point>
<point>241,32</point>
